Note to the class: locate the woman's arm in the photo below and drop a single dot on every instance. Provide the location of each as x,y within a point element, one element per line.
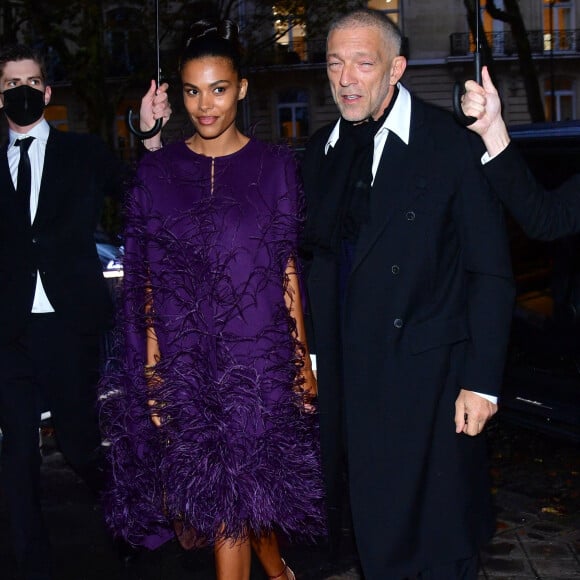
<point>293,301</point>
<point>153,355</point>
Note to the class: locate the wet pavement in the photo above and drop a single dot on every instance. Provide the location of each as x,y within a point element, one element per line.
<point>536,490</point>
<point>537,496</point>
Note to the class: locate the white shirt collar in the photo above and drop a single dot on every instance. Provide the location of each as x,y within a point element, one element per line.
<point>40,132</point>
<point>398,121</point>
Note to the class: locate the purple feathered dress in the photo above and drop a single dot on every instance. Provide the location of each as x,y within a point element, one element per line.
<point>208,240</point>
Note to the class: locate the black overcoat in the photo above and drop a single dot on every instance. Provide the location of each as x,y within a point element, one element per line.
<point>427,311</point>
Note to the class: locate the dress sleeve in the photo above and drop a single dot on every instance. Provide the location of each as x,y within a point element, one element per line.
<point>297,202</point>
<point>136,271</point>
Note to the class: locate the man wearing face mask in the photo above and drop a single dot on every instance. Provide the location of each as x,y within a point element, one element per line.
<point>55,304</point>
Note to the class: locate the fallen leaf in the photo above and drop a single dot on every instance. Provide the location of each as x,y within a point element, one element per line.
<point>552,510</point>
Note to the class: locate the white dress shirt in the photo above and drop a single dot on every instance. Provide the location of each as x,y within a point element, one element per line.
<point>36,153</point>
<point>399,122</point>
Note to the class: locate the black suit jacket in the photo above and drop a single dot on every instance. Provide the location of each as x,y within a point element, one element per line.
<point>427,311</point>
<point>78,172</point>
<point>544,215</point>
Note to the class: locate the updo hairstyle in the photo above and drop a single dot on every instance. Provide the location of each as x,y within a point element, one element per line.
<point>218,38</point>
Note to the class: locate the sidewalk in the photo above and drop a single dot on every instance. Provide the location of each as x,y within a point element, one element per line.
<point>537,497</point>
<point>536,490</point>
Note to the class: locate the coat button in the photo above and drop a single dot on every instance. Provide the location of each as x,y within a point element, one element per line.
<point>395,269</point>
<point>34,240</point>
<point>398,323</point>
<point>33,274</point>
<point>410,215</point>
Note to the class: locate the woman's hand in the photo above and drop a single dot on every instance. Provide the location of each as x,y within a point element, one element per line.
<point>309,389</point>
<point>154,105</point>
<point>153,381</point>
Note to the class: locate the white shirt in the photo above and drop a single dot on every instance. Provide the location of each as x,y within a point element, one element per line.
<point>36,153</point>
<point>399,122</point>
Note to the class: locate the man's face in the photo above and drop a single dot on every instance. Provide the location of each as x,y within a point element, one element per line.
<point>21,72</point>
<point>359,70</point>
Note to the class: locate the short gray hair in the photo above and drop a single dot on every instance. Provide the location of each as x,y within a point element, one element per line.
<point>366,17</point>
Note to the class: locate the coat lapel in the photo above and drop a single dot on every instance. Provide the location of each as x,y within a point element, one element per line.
<point>401,177</point>
<point>5,177</point>
<point>55,160</point>
<point>13,210</point>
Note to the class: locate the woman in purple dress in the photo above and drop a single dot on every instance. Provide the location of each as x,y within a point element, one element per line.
<point>207,412</point>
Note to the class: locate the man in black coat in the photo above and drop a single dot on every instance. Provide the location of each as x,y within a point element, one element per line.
<point>410,292</point>
<point>543,215</point>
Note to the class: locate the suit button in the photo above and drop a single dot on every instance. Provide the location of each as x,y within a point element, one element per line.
<point>410,215</point>
<point>398,323</point>
<point>395,269</point>
<point>34,240</point>
<point>33,274</point>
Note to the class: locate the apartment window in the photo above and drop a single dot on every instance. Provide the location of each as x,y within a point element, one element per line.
<point>558,29</point>
<point>125,142</point>
<point>389,7</point>
<point>57,116</point>
<point>55,71</point>
<point>559,99</point>
<point>493,29</point>
<point>290,31</point>
<point>123,40</point>
<point>293,117</point>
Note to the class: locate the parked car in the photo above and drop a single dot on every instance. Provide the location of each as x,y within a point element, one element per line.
<point>111,256</point>
<point>542,380</point>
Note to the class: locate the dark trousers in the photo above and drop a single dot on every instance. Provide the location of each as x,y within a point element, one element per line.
<point>49,367</point>
<point>465,569</point>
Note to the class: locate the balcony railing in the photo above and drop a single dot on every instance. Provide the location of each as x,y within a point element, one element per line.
<point>301,51</point>
<point>503,43</point>
<point>298,52</point>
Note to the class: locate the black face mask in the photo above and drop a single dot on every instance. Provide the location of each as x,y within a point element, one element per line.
<point>23,105</point>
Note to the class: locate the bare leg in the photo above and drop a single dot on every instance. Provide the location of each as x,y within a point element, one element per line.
<point>268,552</point>
<point>233,559</point>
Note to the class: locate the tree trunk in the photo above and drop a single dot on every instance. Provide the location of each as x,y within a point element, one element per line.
<point>513,17</point>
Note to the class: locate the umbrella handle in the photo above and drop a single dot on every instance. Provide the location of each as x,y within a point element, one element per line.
<point>142,134</point>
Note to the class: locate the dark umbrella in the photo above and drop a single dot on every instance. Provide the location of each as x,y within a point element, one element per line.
<point>467,120</point>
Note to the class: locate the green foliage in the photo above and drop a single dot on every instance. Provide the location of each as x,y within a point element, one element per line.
<point>92,37</point>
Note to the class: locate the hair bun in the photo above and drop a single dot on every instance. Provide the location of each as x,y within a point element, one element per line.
<point>213,29</point>
<point>212,37</point>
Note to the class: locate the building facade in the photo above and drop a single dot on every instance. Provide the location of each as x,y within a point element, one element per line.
<point>289,97</point>
<point>290,100</point>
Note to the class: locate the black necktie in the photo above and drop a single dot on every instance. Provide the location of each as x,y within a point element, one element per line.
<point>24,179</point>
